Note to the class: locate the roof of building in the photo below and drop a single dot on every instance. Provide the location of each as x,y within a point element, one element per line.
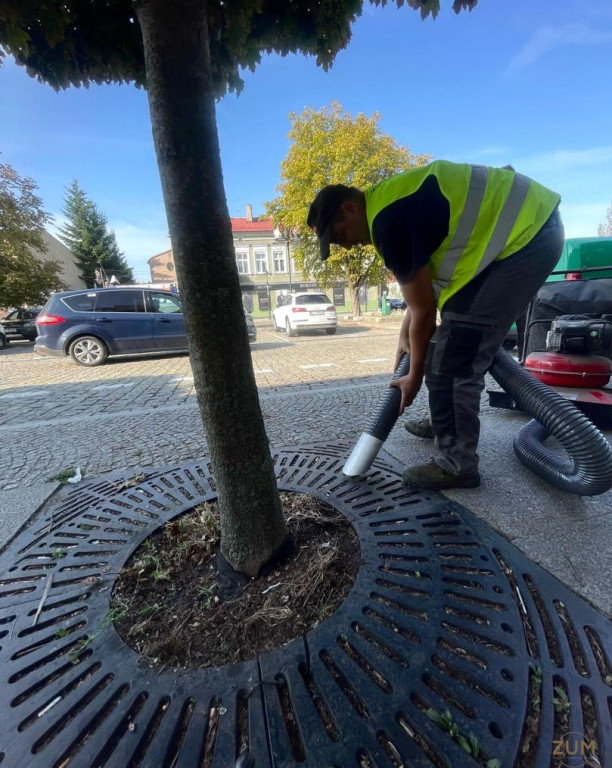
<point>256,225</point>
<point>238,225</point>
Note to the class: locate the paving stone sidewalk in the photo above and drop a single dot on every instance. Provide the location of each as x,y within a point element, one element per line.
<point>155,421</point>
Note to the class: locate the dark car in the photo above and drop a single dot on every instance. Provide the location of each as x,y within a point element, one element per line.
<point>90,325</point>
<point>397,304</point>
<point>20,323</point>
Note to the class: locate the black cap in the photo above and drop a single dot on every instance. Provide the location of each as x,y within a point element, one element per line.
<point>322,211</point>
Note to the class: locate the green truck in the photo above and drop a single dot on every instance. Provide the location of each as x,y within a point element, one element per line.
<point>584,253</point>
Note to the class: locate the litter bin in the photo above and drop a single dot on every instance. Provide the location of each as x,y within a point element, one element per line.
<point>385,306</point>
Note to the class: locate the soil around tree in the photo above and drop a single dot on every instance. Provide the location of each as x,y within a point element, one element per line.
<point>166,603</point>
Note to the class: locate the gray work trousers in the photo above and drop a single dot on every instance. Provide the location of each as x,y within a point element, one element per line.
<point>475,322</point>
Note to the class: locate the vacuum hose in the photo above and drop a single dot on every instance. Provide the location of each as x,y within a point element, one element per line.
<point>588,469</point>
<point>380,425</point>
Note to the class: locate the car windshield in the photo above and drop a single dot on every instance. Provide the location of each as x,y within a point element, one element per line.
<point>312,298</point>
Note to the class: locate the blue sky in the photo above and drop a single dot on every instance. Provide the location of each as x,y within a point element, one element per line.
<point>515,81</point>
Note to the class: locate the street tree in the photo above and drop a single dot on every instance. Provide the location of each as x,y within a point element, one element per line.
<point>605,229</point>
<point>330,146</point>
<point>187,53</point>
<point>87,235</point>
<point>25,279</point>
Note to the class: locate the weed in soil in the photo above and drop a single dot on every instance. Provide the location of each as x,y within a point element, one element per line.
<point>166,604</point>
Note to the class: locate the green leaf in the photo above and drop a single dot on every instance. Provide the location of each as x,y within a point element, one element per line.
<point>495,763</point>
<point>475,744</point>
<point>463,743</point>
<point>434,715</point>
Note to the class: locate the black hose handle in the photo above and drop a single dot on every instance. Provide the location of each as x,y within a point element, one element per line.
<point>386,413</point>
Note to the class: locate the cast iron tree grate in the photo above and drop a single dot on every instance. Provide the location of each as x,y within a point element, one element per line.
<point>445,616</point>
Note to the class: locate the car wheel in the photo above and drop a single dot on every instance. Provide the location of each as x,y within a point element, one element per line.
<point>88,351</point>
<point>3,342</point>
<point>275,324</point>
<point>289,329</point>
<point>330,331</point>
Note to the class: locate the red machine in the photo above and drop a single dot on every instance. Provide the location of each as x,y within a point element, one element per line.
<point>575,363</point>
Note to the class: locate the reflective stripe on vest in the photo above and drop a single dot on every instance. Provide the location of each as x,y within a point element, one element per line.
<point>469,217</point>
<point>467,221</point>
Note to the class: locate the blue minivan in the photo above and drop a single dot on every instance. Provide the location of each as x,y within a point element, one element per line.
<point>90,325</point>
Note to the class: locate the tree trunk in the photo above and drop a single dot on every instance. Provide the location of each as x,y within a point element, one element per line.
<point>182,107</point>
<point>355,300</point>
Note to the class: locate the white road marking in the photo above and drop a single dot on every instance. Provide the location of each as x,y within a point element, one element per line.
<point>374,360</point>
<point>112,386</point>
<point>318,365</point>
<point>181,378</point>
<point>15,395</point>
<point>263,370</point>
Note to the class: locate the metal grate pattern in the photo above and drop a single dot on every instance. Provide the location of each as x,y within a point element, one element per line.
<point>444,615</point>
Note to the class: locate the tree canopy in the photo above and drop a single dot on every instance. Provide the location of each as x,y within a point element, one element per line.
<point>81,42</point>
<point>87,235</point>
<point>330,146</point>
<point>24,278</point>
<point>605,228</point>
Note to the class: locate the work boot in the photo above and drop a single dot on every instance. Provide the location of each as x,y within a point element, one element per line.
<point>433,477</point>
<point>420,428</point>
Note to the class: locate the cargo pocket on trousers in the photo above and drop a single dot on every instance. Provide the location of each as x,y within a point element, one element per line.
<point>460,350</point>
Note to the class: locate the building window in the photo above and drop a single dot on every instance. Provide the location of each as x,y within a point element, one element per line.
<point>170,266</point>
<point>261,262</point>
<point>280,261</point>
<point>242,259</point>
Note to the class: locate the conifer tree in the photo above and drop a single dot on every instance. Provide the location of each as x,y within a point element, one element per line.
<point>87,235</point>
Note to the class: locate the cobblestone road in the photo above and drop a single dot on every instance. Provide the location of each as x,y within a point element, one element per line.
<point>142,411</point>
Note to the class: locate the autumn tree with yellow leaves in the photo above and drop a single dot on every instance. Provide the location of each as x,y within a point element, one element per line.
<point>330,146</point>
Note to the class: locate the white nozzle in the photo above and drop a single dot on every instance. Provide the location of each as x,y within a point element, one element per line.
<point>362,455</point>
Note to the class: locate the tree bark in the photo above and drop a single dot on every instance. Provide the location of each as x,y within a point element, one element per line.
<point>182,107</point>
<point>355,301</point>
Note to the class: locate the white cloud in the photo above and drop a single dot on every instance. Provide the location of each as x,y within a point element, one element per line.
<point>564,160</point>
<point>140,242</point>
<point>549,38</point>
<point>582,219</point>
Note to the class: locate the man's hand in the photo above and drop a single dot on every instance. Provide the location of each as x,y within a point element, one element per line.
<point>409,386</point>
<point>403,348</point>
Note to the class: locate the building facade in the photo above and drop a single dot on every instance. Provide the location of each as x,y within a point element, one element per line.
<point>57,251</point>
<point>265,265</point>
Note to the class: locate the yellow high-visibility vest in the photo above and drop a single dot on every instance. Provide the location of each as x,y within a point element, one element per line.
<point>494,212</point>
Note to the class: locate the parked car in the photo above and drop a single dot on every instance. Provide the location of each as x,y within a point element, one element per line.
<point>90,325</point>
<point>3,339</point>
<point>304,311</point>
<point>20,323</point>
<point>398,304</point>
